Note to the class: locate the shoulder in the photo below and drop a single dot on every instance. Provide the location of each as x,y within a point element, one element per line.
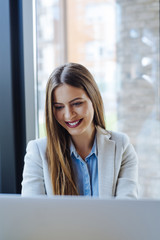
<point>37,145</point>
<point>111,134</point>
<point>121,139</point>
<point>118,137</point>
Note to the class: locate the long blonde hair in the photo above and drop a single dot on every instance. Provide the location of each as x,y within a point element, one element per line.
<point>58,139</point>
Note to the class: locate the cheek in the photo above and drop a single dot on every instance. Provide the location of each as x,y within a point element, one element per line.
<point>83,111</point>
<point>58,115</point>
<point>91,111</point>
<point>88,111</point>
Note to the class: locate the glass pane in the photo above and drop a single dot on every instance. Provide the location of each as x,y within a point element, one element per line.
<point>118,42</point>
<point>138,93</point>
<point>48,49</point>
<point>91,41</point>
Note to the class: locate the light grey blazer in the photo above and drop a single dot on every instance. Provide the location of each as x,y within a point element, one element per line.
<point>117,167</point>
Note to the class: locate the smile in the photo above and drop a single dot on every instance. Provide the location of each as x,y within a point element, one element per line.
<point>74,124</point>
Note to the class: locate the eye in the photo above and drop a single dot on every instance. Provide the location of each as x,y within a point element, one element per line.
<point>77,103</point>
<point>58,107</point>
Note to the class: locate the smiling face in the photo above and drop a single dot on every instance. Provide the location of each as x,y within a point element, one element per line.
<point>73,110</point>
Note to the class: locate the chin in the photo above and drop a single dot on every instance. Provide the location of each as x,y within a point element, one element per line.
<point>74,131</point>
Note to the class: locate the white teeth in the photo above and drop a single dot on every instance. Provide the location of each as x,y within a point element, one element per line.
<point>73,124</point>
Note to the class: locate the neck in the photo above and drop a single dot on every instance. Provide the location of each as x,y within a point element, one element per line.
<point>84,143</point>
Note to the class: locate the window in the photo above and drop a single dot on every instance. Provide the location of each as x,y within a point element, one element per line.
<point>118,42</point>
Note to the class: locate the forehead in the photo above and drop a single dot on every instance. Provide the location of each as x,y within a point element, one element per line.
<point>65,93</point>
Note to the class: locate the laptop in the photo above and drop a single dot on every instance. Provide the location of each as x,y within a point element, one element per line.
<point>78,218</point>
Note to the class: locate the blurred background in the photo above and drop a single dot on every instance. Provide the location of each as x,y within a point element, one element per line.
<point>117,40</point>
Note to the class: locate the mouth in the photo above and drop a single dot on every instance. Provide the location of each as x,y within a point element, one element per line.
<point>74,123</point>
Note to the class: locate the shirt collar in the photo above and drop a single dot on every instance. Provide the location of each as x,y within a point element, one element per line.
<point>93,150</point>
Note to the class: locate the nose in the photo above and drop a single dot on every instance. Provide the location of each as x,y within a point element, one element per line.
<point>69,113</point>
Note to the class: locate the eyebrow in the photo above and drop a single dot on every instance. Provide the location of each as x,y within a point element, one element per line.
<point>70,101</point>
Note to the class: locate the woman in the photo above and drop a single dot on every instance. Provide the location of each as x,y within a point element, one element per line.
<point>78,156</point>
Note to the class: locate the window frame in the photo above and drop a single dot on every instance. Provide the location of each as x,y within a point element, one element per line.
<point>30,75</point>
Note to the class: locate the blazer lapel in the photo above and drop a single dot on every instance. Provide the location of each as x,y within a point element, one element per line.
<point>106,155</point>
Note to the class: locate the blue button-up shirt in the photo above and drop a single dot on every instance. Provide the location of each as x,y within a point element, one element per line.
<point>86,172</point>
